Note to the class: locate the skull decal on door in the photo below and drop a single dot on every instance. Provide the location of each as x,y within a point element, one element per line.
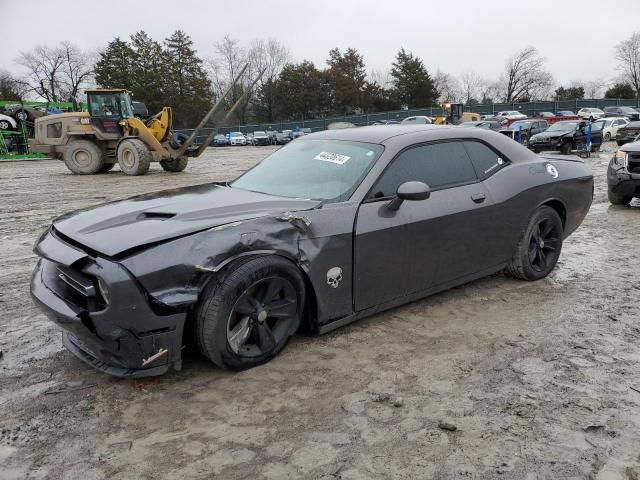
<point>334,277</point>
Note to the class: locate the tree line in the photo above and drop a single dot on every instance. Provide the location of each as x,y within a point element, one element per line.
<point>171,72</point>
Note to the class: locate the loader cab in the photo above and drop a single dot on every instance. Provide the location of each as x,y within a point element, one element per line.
<point>107,107</point>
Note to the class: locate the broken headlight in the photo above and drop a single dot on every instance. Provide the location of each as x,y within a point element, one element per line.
<point>621,159</point>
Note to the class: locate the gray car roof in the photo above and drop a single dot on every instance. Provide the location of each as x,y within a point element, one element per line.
<point>397,135</point>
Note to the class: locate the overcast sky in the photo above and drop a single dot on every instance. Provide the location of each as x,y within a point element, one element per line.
<point>576,37</point>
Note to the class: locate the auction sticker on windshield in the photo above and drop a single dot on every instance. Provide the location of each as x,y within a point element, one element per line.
<point>332,157</point>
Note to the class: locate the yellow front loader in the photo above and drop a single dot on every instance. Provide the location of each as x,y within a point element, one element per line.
<point>110,132</point>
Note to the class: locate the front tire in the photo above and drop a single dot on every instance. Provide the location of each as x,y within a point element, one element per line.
<point>247,317</point>
<point>607,137</point>
<point>83,157</point>
<point>539,247</point>
<point>566,148</point>
<point>5,125</point>
<point>134,157</point>
<point>615,199</point>
<point>174,165</point>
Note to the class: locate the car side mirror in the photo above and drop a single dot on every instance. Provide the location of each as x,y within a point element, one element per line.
<point>409,191</point>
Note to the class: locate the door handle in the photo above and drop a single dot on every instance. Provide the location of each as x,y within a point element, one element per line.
<point>478,197</point>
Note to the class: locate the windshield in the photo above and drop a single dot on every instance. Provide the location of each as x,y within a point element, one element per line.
<point>517,125</point>
<point>327,170</point>
<point>562,127</point>
<point>236,134</point>
<point>259,134</point>
<point>627,109</point>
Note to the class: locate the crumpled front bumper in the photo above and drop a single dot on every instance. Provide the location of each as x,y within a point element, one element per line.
<point>623,183</point>
<point>122,336</point>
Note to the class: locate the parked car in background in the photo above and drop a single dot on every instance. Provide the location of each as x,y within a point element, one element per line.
<point>281,138</point>
<point>385,122</point>
<point>590,114</point>
<point>249,137</point>
<point>272,136</point>
<point>488,125</point>
<point>623,174</point>
<point>510,115</point>
<point>564,113</point>
<point>7,122</point>
<point>340,125</point>
<point>631,113</point>
<point>627,133</point>
<point>237,138</point>
<point>565,136</point>
<point>140,110</point>
<point>23,113</point>
<point>418,120</point>
<point>610,126</point>
<point>260,138</point>
<point>546,115</point>
<point>220,141</point>
<point>529,128</point>
<point>288,133</point>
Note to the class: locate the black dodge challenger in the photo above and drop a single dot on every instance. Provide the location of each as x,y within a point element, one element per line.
<point>333,227</point>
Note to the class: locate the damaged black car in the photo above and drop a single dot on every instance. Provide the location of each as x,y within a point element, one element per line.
<point>331,228</point>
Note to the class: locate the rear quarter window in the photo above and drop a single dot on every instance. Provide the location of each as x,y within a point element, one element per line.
<point>485,160</point>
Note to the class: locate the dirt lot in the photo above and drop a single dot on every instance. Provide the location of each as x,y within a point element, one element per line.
<point>541,380</point>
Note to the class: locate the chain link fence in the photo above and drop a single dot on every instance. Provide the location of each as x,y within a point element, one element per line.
<point>527,108</point>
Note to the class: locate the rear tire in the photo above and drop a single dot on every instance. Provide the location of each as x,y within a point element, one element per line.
<point>175,165</point>
<point>607,137</point>
<point>5,125</point>
<point>615,199</point>
<point>83,157</point>
<point>134,157</point>
<point>241,321</point>
<point>539,247</point>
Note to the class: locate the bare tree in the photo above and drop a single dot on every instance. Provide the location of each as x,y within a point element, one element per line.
<point>381,77</point>
<point>10,87</point>
<point>470,83</point>
<point>55,73</point>
<point>76,71</point>
<point>594,88</point>
<point>447,86</point>
<point>525,76</point>
<point>269,56</point>
<point>43,67</point>
<point>229,59</point>
<point>628,56</point>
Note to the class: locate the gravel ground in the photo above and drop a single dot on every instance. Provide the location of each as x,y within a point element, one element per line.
<point>496,379</point>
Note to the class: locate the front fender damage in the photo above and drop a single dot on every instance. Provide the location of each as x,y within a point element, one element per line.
<point>174,273</point>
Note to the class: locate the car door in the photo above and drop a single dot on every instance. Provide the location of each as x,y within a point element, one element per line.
<point>423,243</point>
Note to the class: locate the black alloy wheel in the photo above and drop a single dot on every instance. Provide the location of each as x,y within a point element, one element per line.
<point>262,317</point>
<point>539,247</point>
<point>543,244</point>
<point>247,314</point>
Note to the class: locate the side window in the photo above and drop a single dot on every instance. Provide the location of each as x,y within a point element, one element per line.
<point>485,160</point>
<point>438,165</point>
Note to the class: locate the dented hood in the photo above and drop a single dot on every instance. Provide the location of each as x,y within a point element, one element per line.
<point>116,227</point>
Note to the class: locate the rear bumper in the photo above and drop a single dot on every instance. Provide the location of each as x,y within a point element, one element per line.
<point>124,338</point>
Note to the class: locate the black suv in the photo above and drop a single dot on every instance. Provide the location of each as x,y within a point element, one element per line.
<point>566,136</point>
<point>623,174</point>
<point>631,113</point>
<point>529,129</point>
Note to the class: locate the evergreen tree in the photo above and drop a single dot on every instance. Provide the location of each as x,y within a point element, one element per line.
<point>620,90</point>
<point>148,75</point>
<point>187,87</point>
<point>346,74</point>
<point>412,83</point>
<point>113,68</point>
<point>301,91</point>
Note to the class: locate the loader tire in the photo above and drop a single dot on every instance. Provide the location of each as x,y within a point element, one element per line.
<point>174,165</point>
<point>134,157</point>
<point>83,157</point>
